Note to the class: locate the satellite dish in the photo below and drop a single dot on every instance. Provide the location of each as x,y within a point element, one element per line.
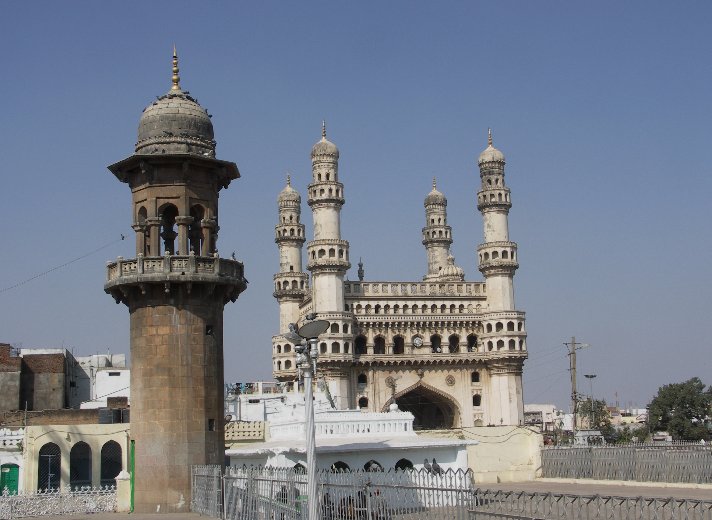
<point>293,337</point>
<point>313,329</point>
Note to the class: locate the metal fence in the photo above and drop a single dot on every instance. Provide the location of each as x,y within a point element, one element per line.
<point>56,502</point>
<point>641,462</point>
<point>497,505</point>
<point>264,493</point>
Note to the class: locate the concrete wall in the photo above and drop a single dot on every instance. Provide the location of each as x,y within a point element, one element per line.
<point>43,381</point>
<point>10,367</point>
<point>504,454</point>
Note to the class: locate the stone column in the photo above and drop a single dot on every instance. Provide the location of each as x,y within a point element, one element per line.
<point>140,230</point>
<point>208,225</point>
<point>183,242</point>
<point>154,235</point>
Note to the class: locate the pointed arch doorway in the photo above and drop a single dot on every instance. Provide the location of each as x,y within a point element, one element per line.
<point>432,409</point>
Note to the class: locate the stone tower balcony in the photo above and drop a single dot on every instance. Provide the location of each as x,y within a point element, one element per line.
<point>493,199</point>
<point>289,232</point>
<point>133,276</point>
<point>291,285</point>
<point>328,254</point>
<point>326,192</point>
<point>497,257</point>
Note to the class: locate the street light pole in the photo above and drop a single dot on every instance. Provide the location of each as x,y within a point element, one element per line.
<point>308,369</point>
<point>306,346</point>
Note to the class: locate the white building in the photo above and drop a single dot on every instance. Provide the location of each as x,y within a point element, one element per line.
<point>94,378</point>
<point>449,351</point>
<point>345,439</point>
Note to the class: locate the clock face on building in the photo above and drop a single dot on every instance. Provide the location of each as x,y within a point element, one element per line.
<point>417,341</point>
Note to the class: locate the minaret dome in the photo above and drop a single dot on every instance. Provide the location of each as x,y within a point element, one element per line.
<point>324,148</point>
<point>490,154</point>
<point>175,124</point>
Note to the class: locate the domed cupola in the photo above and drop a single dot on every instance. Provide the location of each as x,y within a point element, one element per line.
<point>175,124</point>
<point>324,149</point>
<point>490,154</point>
<point>452,272</point>
<point>289,194</point>
<point>435,197</point>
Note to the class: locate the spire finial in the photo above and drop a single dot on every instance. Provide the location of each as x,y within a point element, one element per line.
<point>289,180</point>
<point>435,184</point>
<point>323,129</point>
<point>176,77</point>
<point>489,137</point>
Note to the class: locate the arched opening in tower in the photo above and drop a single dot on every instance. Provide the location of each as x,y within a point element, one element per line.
<point>430,410</point>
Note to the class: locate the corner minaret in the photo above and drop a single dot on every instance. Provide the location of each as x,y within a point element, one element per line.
<point>498,263</point>
<point>291,283</point>
<point>497,255</point>
<point>437,235</point>
<point>328,261</point>
<point>175,289</point>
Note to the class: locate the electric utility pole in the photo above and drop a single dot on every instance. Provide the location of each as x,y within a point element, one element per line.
<point>573,347</point>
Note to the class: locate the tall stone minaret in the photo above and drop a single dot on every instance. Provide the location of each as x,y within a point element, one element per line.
<point>504,335</point>
<point>328,261</point>
<point>437,235</point>
<point>175,289</point>
<point>291,283</point>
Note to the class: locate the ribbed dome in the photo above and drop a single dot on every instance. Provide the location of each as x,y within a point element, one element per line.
<point>451,271</point>
<point>324,147</point>
<point>175,123</point>
<point>289,193</point>
<point>435,197</point>
<point>490,154</point>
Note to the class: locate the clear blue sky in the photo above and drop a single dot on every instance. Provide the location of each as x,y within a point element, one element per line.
<point>602,109</point>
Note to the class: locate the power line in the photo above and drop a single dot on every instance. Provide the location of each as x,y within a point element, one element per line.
<point>65,264</point>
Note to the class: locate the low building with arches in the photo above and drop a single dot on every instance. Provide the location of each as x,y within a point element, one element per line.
<point>74,455</point>
<point>448,350</point>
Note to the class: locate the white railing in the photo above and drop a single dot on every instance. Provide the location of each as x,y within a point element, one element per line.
<point>9,437</point>
<point>345,423</point>
<point>56,502</point>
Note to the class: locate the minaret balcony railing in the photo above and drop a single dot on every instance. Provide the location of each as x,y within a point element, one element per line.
<point>498,266</point>
<point>174,268</point>
<point>289,233</point>
<point>339,264</point>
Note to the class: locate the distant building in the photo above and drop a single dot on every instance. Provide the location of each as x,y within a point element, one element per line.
<point>544,416</point>
<point>53,379</point>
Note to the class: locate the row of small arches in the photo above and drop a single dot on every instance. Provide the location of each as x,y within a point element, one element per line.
<point>372,465</point>
<point>398,345</point>
<point>286,284</point>
<point>505,254</point>
<point>495,198</point>
<point>362,379</point>
<point>415,309</point>
<point>167,215</point>
<point>499,326</point>
<point>437,234</point>
<point>440,221</point>
<point>49,467</point>
<point>286,349</point>
<point>321,253</point>
<point>286,366</point>
<point>323,192</point>
<point>291,233</point>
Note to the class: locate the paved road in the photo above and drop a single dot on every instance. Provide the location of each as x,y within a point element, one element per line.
<point>619,489</point>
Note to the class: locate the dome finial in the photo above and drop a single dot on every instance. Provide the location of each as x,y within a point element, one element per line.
<point>176,77</point>
<point>323,129</point>
<point>289,180</point>
<point>435,184</point>
<point>489,137</point>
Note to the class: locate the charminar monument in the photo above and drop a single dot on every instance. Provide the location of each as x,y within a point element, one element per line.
<point>448,350</point>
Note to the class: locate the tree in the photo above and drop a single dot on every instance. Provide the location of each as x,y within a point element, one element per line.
<point>683,410</point>
<point>595,413</point>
